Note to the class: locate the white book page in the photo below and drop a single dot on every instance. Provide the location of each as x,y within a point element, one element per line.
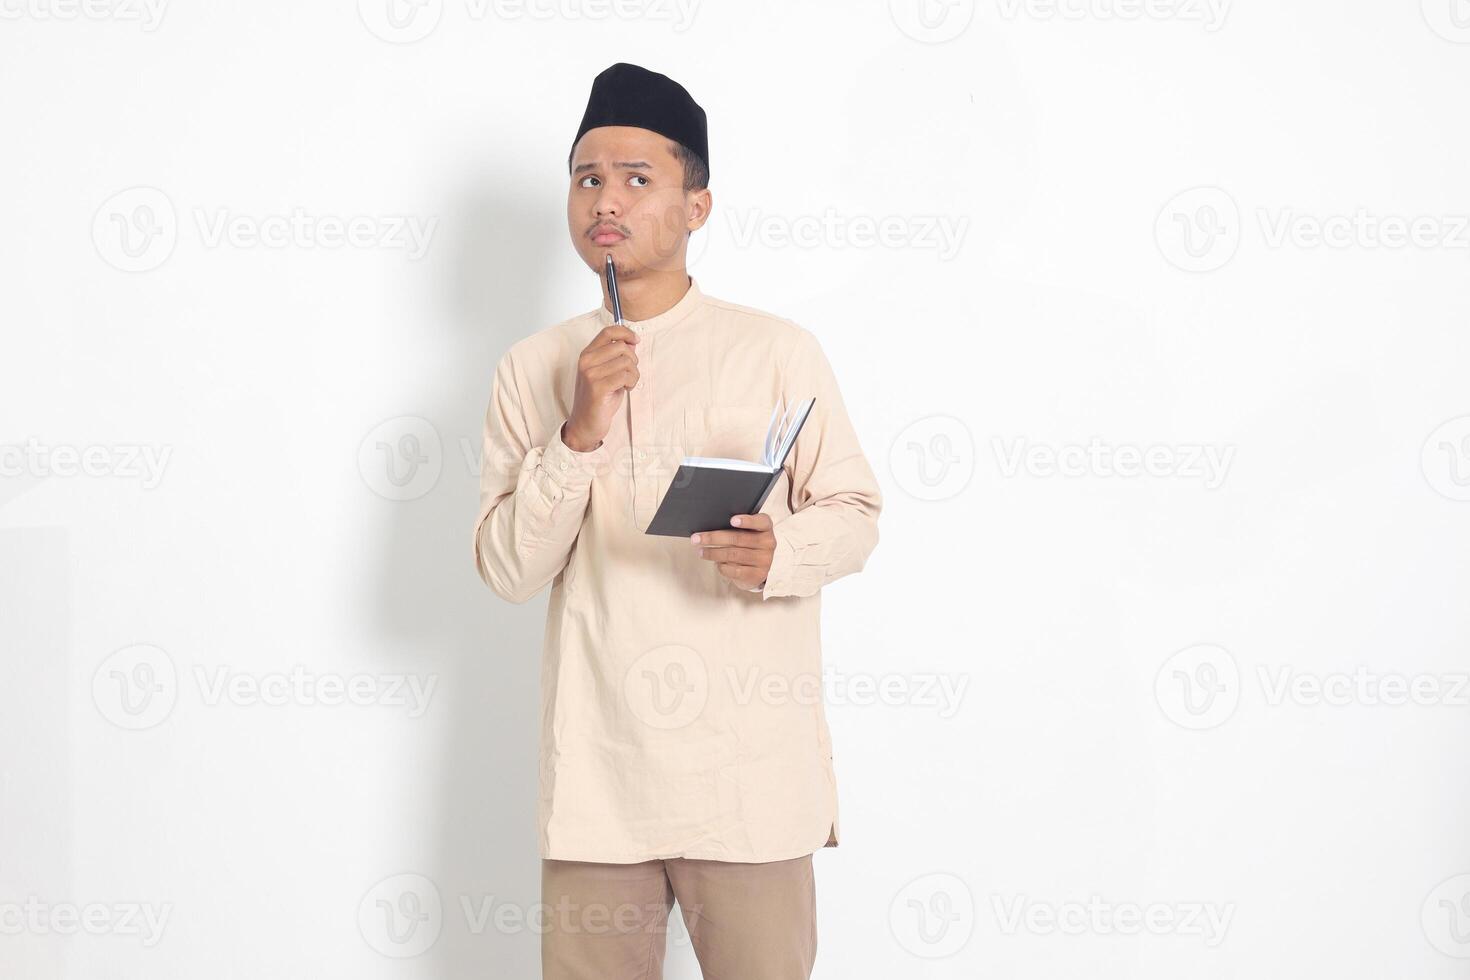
<point>780,433</point>
<point>772,428</point>
<point>799,412</point>
<point>715,463</point>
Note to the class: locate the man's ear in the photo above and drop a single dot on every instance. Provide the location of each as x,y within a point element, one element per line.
<point>700,204</point>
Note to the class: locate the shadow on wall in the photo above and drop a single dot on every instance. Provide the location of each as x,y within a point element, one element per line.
<point>433,607</point>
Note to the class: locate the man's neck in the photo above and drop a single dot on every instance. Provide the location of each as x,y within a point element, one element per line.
<point>649,294</point>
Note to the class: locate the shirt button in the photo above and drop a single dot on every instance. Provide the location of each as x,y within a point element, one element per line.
<point>525,552</point>
<point>641,454</point>
<point>638,385</point>
<point>563,464</point>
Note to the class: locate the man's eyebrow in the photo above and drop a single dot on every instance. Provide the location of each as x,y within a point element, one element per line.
<point>625,165</point>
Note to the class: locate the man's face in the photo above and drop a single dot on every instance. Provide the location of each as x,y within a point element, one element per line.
<point>627,199</point>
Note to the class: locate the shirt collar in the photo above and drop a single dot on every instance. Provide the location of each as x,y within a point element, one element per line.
<point>687,304</point>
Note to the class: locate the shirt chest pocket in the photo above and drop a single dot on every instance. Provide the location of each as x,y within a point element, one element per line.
<point>726,431</point>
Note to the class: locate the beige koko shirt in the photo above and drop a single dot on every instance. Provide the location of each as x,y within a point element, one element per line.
<point>681,715</point>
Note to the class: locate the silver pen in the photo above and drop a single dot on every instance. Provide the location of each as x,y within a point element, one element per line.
<point>612,291</point>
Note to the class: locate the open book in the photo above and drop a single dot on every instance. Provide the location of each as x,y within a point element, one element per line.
<point>707,492</point>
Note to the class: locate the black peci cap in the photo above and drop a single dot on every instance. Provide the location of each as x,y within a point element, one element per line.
<point>628,95</point>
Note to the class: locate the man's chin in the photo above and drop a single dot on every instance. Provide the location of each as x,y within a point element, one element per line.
<point>626,266</point>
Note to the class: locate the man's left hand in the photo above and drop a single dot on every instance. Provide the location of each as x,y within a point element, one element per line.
<point>744,555</point>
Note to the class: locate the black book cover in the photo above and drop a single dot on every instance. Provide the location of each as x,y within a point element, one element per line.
<point>704,496</point>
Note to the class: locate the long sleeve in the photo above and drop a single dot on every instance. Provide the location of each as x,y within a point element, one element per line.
<point>835,498</point>
<point>628,771</point>
<point>532,497</point>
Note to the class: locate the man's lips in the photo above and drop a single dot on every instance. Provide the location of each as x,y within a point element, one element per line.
<point>607,236</point>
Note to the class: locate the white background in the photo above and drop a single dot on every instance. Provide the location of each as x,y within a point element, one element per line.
<point>1132,191</point>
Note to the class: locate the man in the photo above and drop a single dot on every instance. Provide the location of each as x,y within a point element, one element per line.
<point>684,749</point>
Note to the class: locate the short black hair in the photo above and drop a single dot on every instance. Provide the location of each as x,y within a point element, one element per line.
<point>696,171</point>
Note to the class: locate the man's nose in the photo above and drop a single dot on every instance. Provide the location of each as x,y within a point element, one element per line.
<point>609,203</point>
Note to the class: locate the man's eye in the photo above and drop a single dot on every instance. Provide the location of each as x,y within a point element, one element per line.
<point>585,180</point>
<point>639,177</point>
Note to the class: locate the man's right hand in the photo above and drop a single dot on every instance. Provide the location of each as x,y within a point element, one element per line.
<point>606,367</point>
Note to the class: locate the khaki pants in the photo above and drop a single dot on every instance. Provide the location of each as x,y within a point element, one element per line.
<point>746,921</point>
